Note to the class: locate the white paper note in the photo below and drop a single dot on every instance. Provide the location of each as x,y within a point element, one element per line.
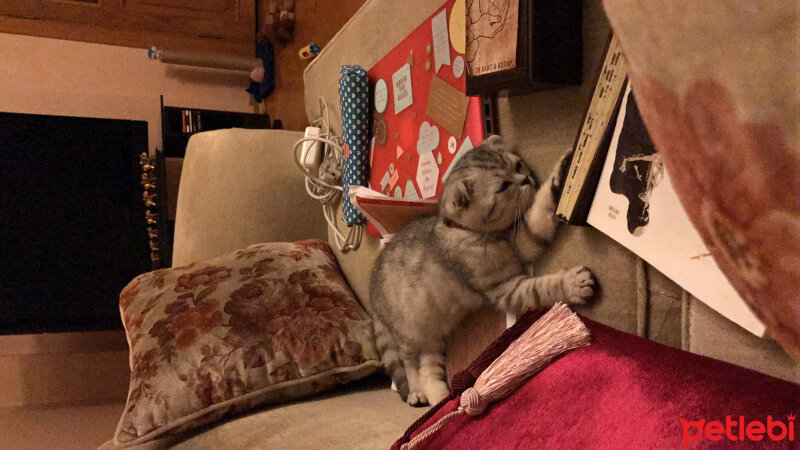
<point>441,40</point>
<point>428,138</point>
<point>381,95</point>
<point>465,147</point>
<point>458,66</point>
<point>411,191</point>
<point>384,181</point>
<point>403,97</point>
<point>427,175</point>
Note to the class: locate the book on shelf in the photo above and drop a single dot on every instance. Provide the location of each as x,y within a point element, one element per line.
<point>591,142</point>
<point>179,124</point>
<point>635,204</point>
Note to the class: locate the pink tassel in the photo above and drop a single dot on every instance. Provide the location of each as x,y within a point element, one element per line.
<point>556,332</point>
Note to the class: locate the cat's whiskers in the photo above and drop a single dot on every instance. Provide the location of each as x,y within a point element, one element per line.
<point>517,215</point>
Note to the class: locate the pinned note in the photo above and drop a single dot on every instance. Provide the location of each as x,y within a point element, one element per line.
<point>441,40</point>
<point>458,66</point>
<point>411,191</point>
<point>394,179</point>
<point>458,26</point>
<point>384,181</point>
<point>399,152</point>
<point>380,131</point>
<point>403,97</point>
<point>427,175</point>
<point>428,138</point>
<point>381,95</point>
<point>447,106</point>
<point>398,192</point>
<point>465,147</point>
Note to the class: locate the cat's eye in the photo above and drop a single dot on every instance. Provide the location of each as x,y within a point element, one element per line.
<point>505,185</point>
<point>518,167</point>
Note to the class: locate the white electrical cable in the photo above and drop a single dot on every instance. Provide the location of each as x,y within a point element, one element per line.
<point>326,191</point>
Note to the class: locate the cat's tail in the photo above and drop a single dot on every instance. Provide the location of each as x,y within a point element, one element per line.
<point>390,357</point>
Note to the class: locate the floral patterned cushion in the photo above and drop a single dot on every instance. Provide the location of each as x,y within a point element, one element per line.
<point>266,324</point>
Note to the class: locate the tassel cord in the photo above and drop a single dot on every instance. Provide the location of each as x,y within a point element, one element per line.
<point>555,333</point>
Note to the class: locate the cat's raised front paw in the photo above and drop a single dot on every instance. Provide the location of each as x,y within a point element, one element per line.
<point>578,283</point>
<point>559,175</point>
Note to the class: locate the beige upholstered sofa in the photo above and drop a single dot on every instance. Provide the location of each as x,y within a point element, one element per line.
<point>635,297</point>
<point>240,187</point>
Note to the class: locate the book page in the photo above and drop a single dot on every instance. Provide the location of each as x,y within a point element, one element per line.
<point>636,205</point>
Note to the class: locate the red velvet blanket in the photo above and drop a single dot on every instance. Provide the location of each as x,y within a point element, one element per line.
<point>622,391</point>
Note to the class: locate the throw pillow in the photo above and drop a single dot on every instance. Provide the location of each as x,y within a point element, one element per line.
<point>266,324</point>
<point>622,391</point>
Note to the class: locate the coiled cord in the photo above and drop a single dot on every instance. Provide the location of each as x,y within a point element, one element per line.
<point>324,188</point>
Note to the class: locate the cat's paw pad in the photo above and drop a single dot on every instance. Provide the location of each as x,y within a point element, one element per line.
<point>416,398</point>
<point>578,285</point>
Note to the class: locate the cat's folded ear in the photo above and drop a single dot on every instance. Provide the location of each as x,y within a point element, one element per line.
<point>496,143</point>
<point>462,194</point>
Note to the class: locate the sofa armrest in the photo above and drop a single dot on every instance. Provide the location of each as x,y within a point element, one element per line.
<point>240,187</point>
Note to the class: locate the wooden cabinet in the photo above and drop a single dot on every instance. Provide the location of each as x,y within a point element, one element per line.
<point>226,26</point>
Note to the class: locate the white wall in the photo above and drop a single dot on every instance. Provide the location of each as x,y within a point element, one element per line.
<point>57,77</point>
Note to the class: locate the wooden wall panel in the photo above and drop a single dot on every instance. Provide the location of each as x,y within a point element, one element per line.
<point>226,26</point>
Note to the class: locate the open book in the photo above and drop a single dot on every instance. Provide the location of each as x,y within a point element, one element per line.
<point>388,214</point>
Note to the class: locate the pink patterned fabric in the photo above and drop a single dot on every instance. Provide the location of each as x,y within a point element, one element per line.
<point>717,83</point>
<point>269,323</point>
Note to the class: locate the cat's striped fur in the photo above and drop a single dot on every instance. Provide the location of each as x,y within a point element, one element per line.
<point>491,221</point>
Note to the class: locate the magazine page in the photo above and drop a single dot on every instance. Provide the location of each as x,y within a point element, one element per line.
<point>635,205</point>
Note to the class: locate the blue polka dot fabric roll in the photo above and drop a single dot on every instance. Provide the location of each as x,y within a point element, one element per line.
<point>354,99</point>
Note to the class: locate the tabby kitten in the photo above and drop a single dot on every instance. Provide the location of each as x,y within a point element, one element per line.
<point>491,221</point>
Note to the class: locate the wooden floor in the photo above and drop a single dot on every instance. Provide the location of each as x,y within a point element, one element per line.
<point>72,427</point>
<point>317,21</point>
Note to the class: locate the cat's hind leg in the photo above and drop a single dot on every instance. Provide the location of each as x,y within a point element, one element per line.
<point>391,358</point>
<point>432,376</point>
<point>416,396</point>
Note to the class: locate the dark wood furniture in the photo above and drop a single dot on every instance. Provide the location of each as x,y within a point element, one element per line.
<point>549,51</point>
<point>224,26</point>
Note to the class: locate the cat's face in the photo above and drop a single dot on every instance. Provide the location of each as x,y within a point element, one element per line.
<point>488,189</point>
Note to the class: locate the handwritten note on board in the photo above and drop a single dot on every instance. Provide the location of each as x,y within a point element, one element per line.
<point>403,97</point>
<point>427,175</point>
<point>447,106</point>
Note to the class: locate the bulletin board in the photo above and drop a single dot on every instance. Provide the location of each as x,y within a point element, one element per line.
<point>422,119</point>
